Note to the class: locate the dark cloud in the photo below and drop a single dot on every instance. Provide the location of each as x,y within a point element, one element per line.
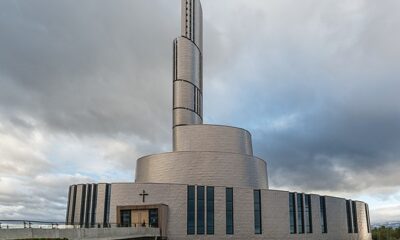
<point>89,68</point>
<point>316,82</point>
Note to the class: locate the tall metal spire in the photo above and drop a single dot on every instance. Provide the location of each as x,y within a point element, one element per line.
<point>188,67</point>
<point>192,22</point>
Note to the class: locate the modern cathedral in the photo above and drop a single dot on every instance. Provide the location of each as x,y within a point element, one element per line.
<point>210,186</point>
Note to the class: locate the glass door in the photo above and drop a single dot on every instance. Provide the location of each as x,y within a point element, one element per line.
<point>125,218</point>
<point>140,218</point>
<point>153,217</point>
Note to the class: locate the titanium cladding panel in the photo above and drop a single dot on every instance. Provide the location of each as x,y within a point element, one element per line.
<point>214,138</point>
<point>187,69</point>
<point>192,22</point>
<point>203,168</point>
<point>187,85</point>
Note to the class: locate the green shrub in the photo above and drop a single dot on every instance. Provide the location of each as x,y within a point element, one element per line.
<point>384,233</point>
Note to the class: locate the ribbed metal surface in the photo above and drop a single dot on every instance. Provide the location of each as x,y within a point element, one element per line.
<point>192,21</point>
<point>188,62</point>
<point>212,138</point>
<point>187,67</point>
<point>203,168</point>
<point>187,85</point>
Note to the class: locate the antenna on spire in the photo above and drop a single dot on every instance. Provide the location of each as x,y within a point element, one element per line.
<point>192,22</point>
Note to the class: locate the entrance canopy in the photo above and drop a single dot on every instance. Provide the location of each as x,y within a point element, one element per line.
<point>153,215</point>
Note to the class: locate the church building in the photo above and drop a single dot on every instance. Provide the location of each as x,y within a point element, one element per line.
<point>210,186</point>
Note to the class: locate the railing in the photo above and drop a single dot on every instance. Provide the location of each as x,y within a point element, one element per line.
<point>7,224</point>
<point>15,224</point>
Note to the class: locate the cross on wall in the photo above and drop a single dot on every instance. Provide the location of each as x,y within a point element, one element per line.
<point>143,194</point>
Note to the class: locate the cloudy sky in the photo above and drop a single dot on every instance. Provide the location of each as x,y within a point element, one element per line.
<point>86,87</point>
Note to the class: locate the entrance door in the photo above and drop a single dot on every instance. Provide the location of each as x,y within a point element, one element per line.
<point>125,218</point>
<point>140,218</point>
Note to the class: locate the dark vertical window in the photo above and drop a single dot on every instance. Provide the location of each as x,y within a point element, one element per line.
<point>257,212</point>
<point>69,204</point>
<point>175,56</point>
<point>125,216</point>
<point>88,203</point>
<point>198,101</point>
<point>355,220</point>
<point>367,216</point>
<point>292,212</point>
<point>94,205</point>
<point>190,210</point>
<point>153,217</point>
<point>83,199</point>
<point>322,204</point>
<point>200,210</point>
<point>210,210</point>
<point>73,205</point>
<point>300,213</point>
<point>349,220</point>
<point>229,210</point>
<point>107,205</point>
<point>194,99</point>
<point>308,213</point>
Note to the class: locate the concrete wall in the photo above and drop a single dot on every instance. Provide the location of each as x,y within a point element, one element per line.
<point>101,194</point>
<point>71,234</point>
<point>173,195</point>
<point>275,212</point>
<point>78,203</point>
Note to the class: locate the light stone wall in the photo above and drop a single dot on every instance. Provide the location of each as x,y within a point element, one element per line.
<point>316,216</point>
<point>78,204</point>
<point>173,195</point>
<point>101,194</point>
<point>203,168</point>
<point>362,220</point>
<point>275,212</point>
<point>219,216</point>
<point>243,213</point>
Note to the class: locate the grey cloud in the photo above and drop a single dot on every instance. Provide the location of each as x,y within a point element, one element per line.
<point>316,82</point>
<point>89,68</point>
<point>386,214</point>
<point>21,150</point>
<point>43,197</point>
